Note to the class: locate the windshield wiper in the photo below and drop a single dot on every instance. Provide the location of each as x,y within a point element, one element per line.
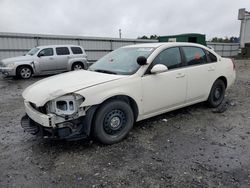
<point>104,71</point>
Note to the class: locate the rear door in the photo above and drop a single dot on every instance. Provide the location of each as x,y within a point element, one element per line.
<point>201,70</point>
<point>165,90</point>
<point>63,56</point>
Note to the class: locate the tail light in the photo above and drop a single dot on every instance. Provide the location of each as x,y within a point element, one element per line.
<point>233,63</point>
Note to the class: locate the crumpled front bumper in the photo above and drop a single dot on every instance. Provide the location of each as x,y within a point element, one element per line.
<point>34,128</point>
<point>44,125</point>
<point>29,125</point>
<point>7,71</point>
<point>46,120</point>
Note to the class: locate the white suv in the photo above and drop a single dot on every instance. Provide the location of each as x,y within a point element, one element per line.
<point>43,60</point>
<point>127,85</point>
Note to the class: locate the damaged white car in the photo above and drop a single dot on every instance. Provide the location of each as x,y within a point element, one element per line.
<point>127,85</point>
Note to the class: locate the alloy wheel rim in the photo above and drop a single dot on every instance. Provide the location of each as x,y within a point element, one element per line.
<point>25,73</point>
<point>77,67</point>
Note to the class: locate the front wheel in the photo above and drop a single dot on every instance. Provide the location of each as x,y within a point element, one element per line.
<point>24,72</point>
<point>113,121</point>
<point>217,94</point>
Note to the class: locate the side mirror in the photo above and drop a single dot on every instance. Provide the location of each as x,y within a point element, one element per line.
<point>141,60</point>
<point>158,69</point>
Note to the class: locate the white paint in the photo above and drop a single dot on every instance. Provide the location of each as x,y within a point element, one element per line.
<point>154,93</point>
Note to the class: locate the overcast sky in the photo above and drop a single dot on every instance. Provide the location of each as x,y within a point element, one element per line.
<point>103,18</point>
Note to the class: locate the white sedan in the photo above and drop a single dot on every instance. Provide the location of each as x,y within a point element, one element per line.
<point>127,85</point>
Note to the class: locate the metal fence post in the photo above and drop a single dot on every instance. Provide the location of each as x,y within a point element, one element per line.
<point>111,45</point>
<point>78,42</point>
<point>37,40</point>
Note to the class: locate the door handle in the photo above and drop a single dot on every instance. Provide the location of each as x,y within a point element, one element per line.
<point>211,69</point>
<point>180,75</point>
<point>51,58</point>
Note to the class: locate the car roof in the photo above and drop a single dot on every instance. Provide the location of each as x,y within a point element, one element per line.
<point>165,44</point>
<point>60,45</point>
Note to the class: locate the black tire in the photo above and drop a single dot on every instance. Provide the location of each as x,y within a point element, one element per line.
<point>113,121</point>
<point>77,66</point>
<point>24,72</point>
<point>217,94</point>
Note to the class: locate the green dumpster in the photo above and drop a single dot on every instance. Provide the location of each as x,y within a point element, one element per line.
<point>191,37</point>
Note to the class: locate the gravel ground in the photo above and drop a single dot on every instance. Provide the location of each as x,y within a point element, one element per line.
<point>190,147</point>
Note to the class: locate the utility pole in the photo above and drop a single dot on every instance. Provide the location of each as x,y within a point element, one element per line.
<point>120,33</point>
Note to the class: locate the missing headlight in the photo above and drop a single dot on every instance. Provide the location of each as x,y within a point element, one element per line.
<point>67,105</point>
<point>71,105</point>
<point>62,105</point>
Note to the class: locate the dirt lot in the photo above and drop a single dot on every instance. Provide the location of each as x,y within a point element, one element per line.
<point>191,147</point>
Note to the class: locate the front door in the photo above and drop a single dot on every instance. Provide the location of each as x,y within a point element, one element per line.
<point>165,90</point>
<point>45,61</point>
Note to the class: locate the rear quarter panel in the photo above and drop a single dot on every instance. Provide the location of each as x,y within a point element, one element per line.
<point>227,67</point>
<point>223,68</point>
<point>74,59</point>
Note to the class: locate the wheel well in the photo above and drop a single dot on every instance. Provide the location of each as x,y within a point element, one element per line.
<point>224,80</point>
<point>76,62</point>
<point>128,100</point>
<point>19,66</point>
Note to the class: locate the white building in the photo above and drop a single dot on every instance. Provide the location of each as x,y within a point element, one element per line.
<point>244,16</point>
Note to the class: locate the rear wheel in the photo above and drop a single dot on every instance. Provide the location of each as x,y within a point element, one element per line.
<point>217,94</point>
<point>113,121</point>
<point>77,66</point>
<point>24,72</point>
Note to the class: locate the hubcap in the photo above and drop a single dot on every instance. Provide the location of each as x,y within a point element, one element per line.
<point>114,122</point>
<point>25,73</point>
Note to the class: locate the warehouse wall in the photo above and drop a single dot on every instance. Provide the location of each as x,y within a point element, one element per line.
<point>16,44</point>
<point>225,49</point>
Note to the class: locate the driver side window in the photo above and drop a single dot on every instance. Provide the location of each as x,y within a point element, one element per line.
<point>46,52</point>
<point>170,57</point>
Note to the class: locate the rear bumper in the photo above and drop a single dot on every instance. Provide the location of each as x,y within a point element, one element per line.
<point>8,71</point>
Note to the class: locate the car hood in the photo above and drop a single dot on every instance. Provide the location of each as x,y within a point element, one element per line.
<point>17,59</point>
<point>50,88</point>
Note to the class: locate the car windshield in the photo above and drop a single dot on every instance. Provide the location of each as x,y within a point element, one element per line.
<point>122,61</point>
<point>32,51</point>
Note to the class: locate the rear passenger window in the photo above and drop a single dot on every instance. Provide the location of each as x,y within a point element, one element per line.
<point>62,51</point>
<point>76,50</point>
<point>194,55</point>
<point>170,57</point>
